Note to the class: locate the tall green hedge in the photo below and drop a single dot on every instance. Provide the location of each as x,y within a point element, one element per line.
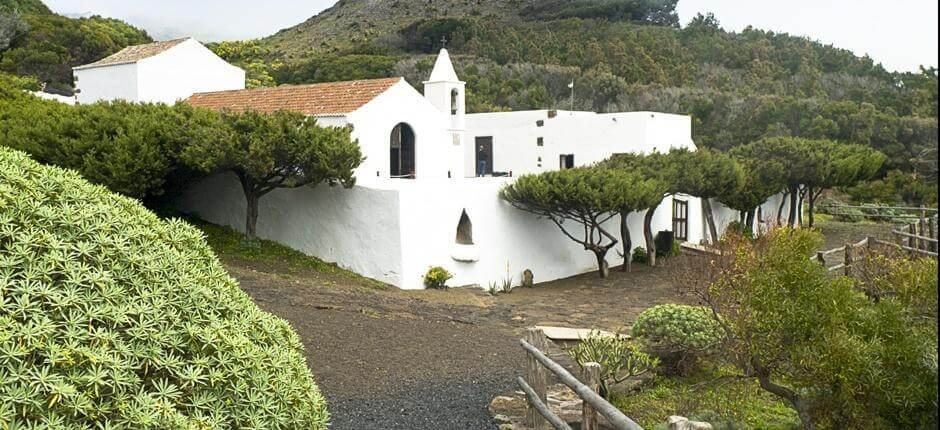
<point>113,318</point>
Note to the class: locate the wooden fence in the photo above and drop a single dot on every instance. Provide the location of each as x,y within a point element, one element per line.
<point>538,372</point>
<point>910,212</point>
<point>919,237</point>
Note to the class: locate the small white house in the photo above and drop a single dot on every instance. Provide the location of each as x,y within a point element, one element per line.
<point>428,192</point>
<point>159,72</point>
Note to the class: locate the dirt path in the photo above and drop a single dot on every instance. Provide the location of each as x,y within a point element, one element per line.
<point>391,359</point>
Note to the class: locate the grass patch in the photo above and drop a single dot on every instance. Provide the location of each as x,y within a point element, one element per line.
<point>231,245</point>
<point>726,403</point>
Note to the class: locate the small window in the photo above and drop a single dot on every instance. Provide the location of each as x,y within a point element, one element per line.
<point>680,219</point>
<point>539,123</point>
<point>464,230</point>
<point>540,141</point>
<point>454,97</point>
<point>566,161</point>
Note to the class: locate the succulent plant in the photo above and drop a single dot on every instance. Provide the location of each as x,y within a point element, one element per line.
<point>113,318</point>
<point>678,333</point>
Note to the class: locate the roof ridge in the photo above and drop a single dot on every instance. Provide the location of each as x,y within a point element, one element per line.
<point>134,53</point>
<point>295,86</point>
<point>322,98</point>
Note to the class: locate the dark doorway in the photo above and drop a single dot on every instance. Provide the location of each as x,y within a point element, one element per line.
<point>566,161</point>
<point>680,219</point>
<point>402,153</point>
<point>484,156</point>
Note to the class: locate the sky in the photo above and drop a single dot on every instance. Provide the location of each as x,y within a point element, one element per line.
<point>901,34</point>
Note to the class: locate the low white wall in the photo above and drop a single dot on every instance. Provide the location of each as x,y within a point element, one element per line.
<point>506,240</point>
<point>118,82</point>
<point>356,228</point>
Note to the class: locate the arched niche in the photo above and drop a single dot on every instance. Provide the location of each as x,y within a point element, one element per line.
<point>464,230</point>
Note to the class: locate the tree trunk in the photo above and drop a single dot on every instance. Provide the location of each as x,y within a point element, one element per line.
<point>251,217</point>
<point>710,220</point>
<point>749,220</point>
<point>783,201</point>
<point>812,207</point>
<point>794,199</point>
<point>648,236</point>
<point>802,200</point>
<point>603,269</point>
<point>802,409</point>
<point>627,243</point>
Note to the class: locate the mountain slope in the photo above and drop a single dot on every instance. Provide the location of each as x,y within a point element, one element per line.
<point>622,55</point>
<point>46,45</point>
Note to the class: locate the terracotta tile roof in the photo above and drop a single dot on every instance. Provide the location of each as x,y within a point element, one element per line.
<point>330,98</point>
<point>133,54</point>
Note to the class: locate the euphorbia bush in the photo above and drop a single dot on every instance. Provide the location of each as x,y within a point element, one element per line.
<point>113,318</point>
<point>678,334</point>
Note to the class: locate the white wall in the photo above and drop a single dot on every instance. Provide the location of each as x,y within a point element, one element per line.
<point>589,136</point>
<point>356,228</point>
<point>435,153</point>
<point>107,83</point>
<point>183,70</point>
<point>506,240</point>
<point>172,75</point>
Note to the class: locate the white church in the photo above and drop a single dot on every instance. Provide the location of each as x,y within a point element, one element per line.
<point>427,193</point>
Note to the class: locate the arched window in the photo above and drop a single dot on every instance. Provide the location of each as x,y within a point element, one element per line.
<point>402,152</point>
<point>454,97</point>
<point>464,230</point>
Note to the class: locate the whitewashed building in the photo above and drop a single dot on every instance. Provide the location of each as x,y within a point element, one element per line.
<point>159,72</point>
<point>428,192</point>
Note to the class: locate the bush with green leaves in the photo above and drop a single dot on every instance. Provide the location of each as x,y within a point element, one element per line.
<point>436,278</point>
<point>619,358</point>
<point>639,255</point>
<point>111,317</point>
<point>678,334</point>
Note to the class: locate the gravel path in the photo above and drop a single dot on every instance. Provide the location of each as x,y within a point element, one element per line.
<point>392,359</point>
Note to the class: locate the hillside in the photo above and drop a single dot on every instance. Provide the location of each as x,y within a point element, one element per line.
<point>622,55</point>
<point>36,42</point>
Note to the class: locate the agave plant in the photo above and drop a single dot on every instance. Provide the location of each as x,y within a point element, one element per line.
<point>113,318</point>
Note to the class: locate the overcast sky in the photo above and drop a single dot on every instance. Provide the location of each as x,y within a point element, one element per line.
<point>901,34</point>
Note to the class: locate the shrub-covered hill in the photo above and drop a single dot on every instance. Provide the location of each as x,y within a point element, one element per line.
<point>622,55</point>
<point>113,318</point>
<point>36,42</point>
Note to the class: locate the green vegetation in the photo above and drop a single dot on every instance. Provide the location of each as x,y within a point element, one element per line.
<point>131,148</point>
<point>436,278</point>
<point>586,197</point>
<point>114,318</point>
<point>679,335</point>
<point>837,354</point>
<point>275,151</point>
<point>620,359</point>
<point>715,396</point>
<point>36,42</point>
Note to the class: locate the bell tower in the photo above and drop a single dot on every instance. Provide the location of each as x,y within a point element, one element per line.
<point>446,91</point>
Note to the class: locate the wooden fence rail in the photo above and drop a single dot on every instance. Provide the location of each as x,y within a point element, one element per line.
<point>535,385</point>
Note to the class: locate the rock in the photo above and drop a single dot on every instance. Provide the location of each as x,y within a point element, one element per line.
<point>527,278</point>
<point>501,419</point>
<point>683,423</point>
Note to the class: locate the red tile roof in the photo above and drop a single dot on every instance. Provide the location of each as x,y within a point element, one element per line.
<point>133,54</point>
<point>331,98</point>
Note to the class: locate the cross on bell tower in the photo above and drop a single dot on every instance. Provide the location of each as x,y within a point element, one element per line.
<point>444,42</point>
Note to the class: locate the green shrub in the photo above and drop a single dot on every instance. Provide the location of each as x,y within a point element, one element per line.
<point>113,318</point>
<point>678,334</point>
<point>639,255</point>
<point>436,278</point>
<point>619,358</point>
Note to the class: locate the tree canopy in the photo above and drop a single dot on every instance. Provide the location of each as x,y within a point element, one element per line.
<point>282,150</point>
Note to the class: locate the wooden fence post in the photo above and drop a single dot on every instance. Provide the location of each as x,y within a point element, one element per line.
<point>537,377</point>
<point>911,241</point>
<point>821,258</point>
<point>849,256</point>
<point>592,378</point>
